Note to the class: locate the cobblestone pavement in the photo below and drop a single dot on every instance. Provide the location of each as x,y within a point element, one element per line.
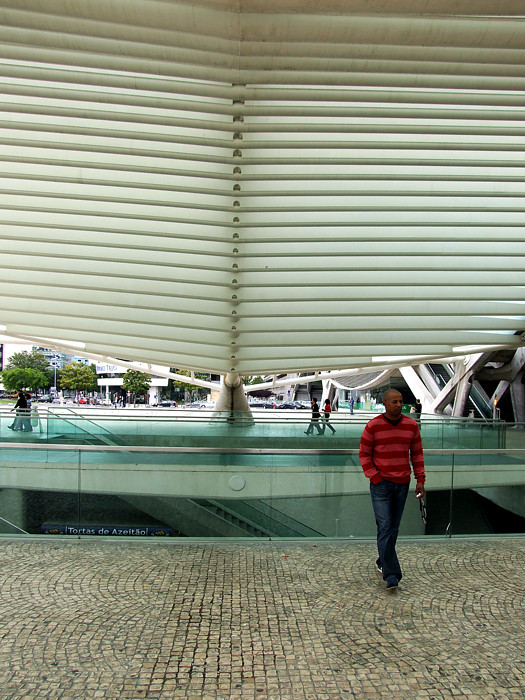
<point>85,619</point>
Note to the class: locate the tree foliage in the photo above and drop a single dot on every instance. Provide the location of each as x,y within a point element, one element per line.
<point>35,359</point>
<point>249,381</point>
<point>19,378</point>
<point>78,376</point>
<point>184,386</point>
<point>136,382</point>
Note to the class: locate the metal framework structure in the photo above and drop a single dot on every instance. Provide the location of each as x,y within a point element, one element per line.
<point>261,186</point>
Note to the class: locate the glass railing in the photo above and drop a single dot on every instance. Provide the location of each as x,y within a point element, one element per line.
<point>143,427</point>
<point>70,425</point>
<point>270,492</point>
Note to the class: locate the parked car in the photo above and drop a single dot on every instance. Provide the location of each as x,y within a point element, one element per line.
<point>290,406</point>
<point>200,404</point>
<point>44,398</point>
<point>167,403</point>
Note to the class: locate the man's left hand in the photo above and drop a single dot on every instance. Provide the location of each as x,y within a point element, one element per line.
<point>420,489</point>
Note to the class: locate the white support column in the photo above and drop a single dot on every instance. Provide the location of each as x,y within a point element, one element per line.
<point>232,401</point>
<point>417,387</point>
<point>445,397</point>
<point>463,370</point>
<point>326,391</point>
<point>517,364</point>
<point>517,394</point>
<point>153,395</point>
<point>462,390</point>
<point>428,379</point>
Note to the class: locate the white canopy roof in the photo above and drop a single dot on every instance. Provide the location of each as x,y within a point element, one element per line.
<point>258,186</point>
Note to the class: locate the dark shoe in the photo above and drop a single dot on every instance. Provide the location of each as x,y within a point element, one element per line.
<point>379,568</point>
<point>306,432</point>
<point>10,427</point>
<point>391,583</point>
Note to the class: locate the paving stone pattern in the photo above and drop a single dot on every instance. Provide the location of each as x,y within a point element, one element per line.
<point>91,619</point>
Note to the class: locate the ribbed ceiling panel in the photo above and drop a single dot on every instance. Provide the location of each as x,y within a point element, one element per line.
<point>263,186</point>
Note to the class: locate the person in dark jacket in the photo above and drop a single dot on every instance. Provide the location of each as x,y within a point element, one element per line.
<point>314,421</point>
<point>20,407</point>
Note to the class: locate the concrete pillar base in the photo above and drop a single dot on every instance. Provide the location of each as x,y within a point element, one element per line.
<point>232,403</point>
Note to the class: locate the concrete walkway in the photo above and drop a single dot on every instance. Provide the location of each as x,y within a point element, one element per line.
<point>111,619</point>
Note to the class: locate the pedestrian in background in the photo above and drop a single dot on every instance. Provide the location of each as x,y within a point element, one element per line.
<point>327,410</point>
<point>20,407</point>
<point>26,420</point>
<point>314,421</point>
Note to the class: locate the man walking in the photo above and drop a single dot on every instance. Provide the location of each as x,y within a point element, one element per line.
<point>388,444</point>
<point>314,421</point>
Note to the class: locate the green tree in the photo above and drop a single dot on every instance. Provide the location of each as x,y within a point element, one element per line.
<point>253,380</point>
<point>136,382</point>
<point>35,359</point>
<point>94,376</point>
<point>24,378</point>
<point>77,376</point>
<point>193,389</point>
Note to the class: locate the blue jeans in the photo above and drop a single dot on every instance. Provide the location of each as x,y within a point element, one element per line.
<point>314,421</point>
<point>388,502</point>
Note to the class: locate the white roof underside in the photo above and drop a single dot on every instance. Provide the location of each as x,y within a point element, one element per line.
<point>261,186</point>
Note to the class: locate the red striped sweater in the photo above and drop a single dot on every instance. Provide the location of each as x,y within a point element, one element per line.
<point>386,450</point>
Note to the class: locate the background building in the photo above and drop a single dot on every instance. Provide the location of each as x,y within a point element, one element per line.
<point>111,377</point>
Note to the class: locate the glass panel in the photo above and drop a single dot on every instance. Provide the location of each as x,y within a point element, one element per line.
<point>489,493</point>
<point>39,488</point>
<point>328,494</point>
<point>13,518</point>
<point>203,476</point>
